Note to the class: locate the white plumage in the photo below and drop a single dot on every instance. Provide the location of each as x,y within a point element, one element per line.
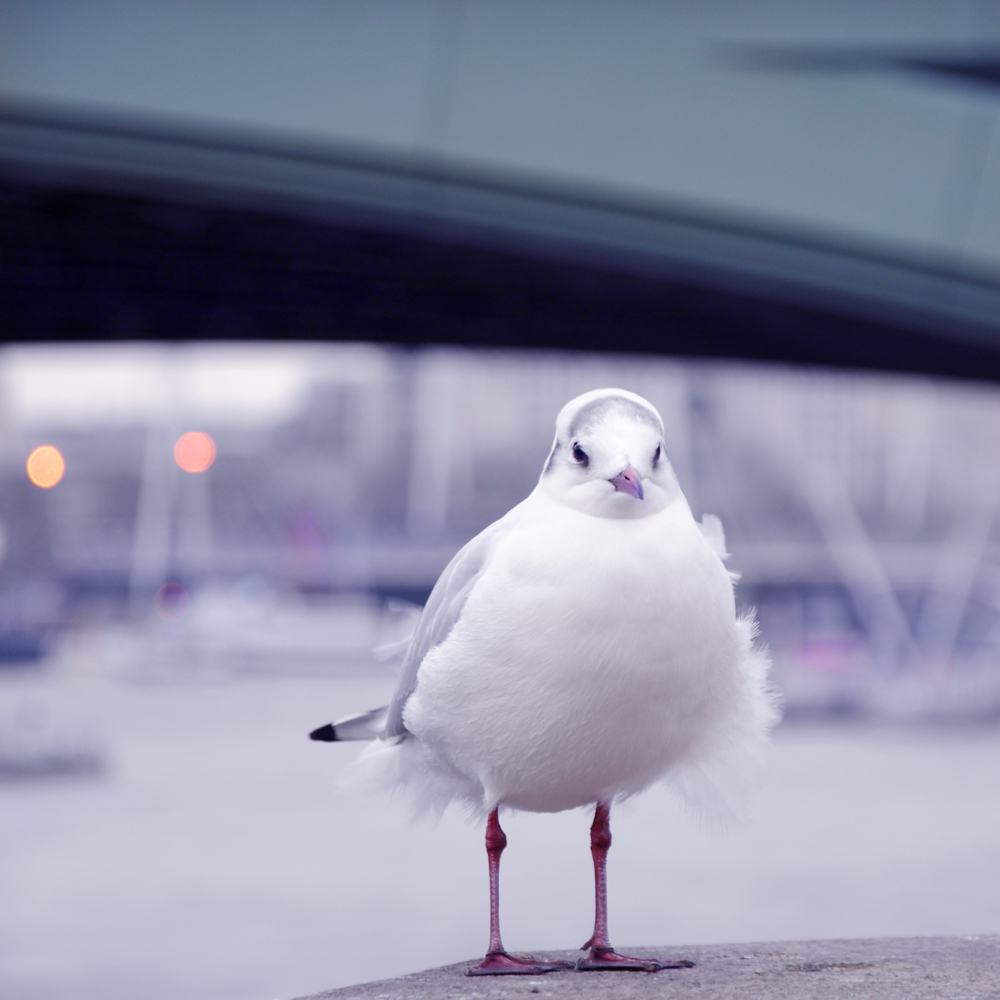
<point>582,647</point>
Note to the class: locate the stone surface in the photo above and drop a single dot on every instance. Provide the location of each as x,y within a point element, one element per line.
<point>966,968</point>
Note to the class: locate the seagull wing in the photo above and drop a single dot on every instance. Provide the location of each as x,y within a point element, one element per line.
<point>444,608</point>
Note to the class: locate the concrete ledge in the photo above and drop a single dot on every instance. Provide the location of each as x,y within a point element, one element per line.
<point>966,968</point>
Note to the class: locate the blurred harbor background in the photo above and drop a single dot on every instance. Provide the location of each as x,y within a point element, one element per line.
<point>290,295</point>
<point>169,638</point>
<point>860,508</point>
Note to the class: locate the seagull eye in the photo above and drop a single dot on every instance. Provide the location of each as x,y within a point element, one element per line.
<point>580,455</point>
<point>656,455</point>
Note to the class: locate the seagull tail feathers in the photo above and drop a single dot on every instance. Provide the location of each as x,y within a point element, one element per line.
<point>366,726</point>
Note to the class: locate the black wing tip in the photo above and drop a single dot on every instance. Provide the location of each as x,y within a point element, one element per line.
<point>326,734</point>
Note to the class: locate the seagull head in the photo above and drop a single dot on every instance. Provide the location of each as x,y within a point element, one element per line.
<point>608,458</point>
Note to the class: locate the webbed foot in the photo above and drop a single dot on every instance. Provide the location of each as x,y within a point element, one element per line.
<point>501,964</point>
<point>607,959</point>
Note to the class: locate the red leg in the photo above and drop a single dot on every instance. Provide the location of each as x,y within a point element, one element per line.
<point>497,962</point>
<point>602,955</point>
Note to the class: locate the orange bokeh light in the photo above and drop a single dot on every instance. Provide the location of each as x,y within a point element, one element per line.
<point>45,466</point>
<point>194,451</point>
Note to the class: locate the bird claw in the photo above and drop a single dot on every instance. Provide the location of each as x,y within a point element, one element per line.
<point>607,959</point>
<point>501,964</point>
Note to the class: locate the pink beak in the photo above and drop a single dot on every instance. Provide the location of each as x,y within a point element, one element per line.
<point>628,482</point>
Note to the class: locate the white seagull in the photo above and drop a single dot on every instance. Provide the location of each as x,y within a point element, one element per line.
<point>581,648</point>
